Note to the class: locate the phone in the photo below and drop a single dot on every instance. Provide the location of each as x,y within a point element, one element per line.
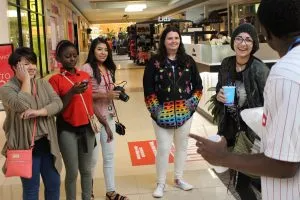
<point>85,82</point>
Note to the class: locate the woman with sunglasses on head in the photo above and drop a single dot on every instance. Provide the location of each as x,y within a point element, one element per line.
<point>101,68</point>
<point>248,74</point>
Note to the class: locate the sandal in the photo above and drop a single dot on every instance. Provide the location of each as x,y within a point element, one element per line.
<point>115,196</point>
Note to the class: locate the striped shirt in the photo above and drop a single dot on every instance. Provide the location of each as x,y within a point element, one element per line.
<point>281,121</point>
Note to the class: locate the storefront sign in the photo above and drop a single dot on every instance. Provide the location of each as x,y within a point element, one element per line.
<point>6,72</point>
<point>164,19</point>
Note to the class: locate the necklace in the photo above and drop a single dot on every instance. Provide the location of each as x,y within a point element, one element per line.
<point>241,64</point>
<point>240,67</point>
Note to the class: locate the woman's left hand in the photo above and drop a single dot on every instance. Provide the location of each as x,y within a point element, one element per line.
<point>31,113</point>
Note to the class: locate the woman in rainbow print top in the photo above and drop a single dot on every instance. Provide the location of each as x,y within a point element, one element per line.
<point>172,89</point>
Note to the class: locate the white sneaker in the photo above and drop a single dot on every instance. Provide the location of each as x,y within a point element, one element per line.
<point>159,191</point>
<point>183,185</point>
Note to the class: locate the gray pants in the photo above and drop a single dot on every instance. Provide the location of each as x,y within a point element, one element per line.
<point>75,157</point>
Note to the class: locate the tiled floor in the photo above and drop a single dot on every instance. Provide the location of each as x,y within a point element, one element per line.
<point>138,182</point>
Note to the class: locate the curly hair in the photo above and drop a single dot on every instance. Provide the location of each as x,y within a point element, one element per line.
<point>181,55</point>
<point>92,60</point>
<point>280,17</point>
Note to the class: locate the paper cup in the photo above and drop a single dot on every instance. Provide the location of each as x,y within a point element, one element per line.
<point>218,169</point>
<point>229,92</point>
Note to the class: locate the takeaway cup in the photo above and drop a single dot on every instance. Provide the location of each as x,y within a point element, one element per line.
<point>229,92</point>
<point>218,169</point>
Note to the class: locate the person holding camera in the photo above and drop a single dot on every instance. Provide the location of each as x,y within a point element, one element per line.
<point>75,135</point>
<point>101,68</point>
<point>172,90</point>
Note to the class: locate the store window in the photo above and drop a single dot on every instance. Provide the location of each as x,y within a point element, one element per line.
<point>13,26</point>
<point>23,4</point>
<point>26,25</point>
<point>25,28</point>
<point>245,13</point>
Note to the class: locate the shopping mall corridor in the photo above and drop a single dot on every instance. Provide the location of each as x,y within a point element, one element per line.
<point>135,167</point>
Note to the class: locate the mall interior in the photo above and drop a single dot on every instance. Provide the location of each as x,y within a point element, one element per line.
<point>41,24</point>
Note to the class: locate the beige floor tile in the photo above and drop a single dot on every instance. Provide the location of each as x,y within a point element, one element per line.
<point>174,195</point>
<point>99,187</point>
<point>202,179</point>
<point>16,191</point>
<point>215,193</point>
<point>126,185</point>
<point>146,183</point>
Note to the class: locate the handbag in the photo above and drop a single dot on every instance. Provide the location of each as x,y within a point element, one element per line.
<point>19,161</point>
<point>94,122</point>
<point>120,128</point>
<point>244,145</point>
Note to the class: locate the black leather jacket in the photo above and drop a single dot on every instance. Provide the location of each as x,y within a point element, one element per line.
<point>254,79</point>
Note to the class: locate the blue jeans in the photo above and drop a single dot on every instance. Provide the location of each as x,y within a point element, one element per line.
<point>44,165</point>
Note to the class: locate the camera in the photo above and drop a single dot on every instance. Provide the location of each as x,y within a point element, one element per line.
<point>123,96</point>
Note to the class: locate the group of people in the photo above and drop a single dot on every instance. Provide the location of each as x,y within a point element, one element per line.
<point>172,90</point>
<point>70,96</point>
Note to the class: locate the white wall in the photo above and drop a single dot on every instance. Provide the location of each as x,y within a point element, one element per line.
<point>4,36</point>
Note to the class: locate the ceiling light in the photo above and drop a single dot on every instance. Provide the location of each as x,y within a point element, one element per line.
<point>135,7</point>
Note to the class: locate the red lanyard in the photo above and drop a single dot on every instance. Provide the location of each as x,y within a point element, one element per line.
<point>107,84</point>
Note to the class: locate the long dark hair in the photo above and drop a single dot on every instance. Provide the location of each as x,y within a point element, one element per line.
<point>181,56</point>
<point>92,60</point>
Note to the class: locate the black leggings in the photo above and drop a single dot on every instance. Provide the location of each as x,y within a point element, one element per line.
<point>243,187</point>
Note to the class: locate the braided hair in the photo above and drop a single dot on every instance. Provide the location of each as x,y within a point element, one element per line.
<point>92,60</point>
<point>61,46</point>
<point>280,17</point>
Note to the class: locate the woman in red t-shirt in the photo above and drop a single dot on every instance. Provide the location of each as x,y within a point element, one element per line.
<point>75,136</point>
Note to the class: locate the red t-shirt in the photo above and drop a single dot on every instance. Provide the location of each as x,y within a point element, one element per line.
<point>75,113</point>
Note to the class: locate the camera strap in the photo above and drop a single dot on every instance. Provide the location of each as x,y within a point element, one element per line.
<point>115,111</point>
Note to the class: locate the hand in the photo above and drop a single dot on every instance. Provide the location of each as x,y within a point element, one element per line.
<point>21,72</point>
<point>221,96</point>
<point>112,94</point>
<point>212,152</point>
<point>30,113</point>
<point>109,133</point>
<point>79,88</point>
